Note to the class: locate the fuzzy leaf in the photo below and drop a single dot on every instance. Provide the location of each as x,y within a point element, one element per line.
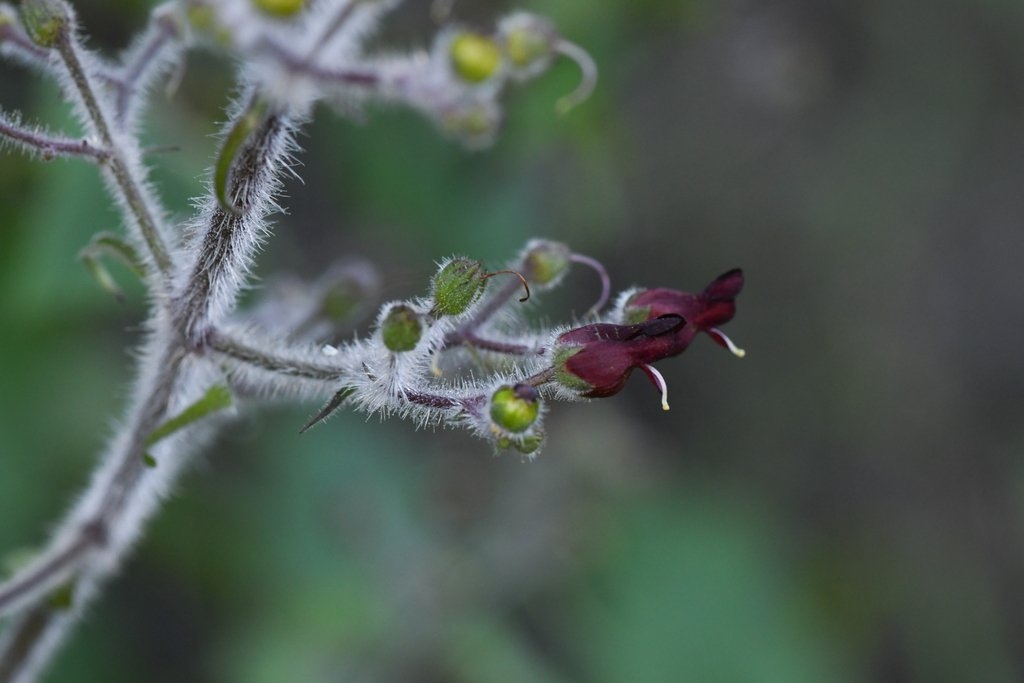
<point>331,406</point>
<point>108,244</point>
<point>217,397</point>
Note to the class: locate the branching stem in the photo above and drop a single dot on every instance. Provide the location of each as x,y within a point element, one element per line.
<point>126,183</point>
<point>49,146</point>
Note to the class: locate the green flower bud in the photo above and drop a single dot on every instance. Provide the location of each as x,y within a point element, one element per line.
<point>475,58</point>
<point>457,285</point>
<point>45,20</point>
<point>526,445</point>
<point>515,408</point>
<point>529,43</point>
<point>280,8</point>
<point>473,123</point>
<point>524,47</point>
<point>545,261</point>
<point>401,329</point>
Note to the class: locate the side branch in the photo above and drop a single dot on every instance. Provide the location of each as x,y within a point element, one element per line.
<point>49,146</point>
<point>88,546</point>
<point>132,193</point>
<point>150,50</point>
<point>269,361</point>
<point>230,238</point>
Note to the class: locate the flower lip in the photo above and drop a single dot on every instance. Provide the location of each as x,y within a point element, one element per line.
<point>597,359</point>
<point>714,306</point>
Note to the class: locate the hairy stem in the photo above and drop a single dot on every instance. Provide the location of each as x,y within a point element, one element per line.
<point>88,546</point>
<point>129,186</point>
<point>232,235</point>
<point>264,359</point>
<point>162,31</point>
<point>49,146</point>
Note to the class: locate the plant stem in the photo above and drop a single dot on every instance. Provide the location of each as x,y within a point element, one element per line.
<point>49,146</point>
<point>130,188</point>
<point>97,532</point>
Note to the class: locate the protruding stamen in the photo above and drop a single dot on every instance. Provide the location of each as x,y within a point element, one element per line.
<point>724,340</point>
<point>659,382</point>
<point>588,79</point>
<point>435,362</point>
<point>606,282</point>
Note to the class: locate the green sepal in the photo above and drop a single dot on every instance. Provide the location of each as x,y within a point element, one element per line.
<point>330,407</point>
<point>217,397</point>
<point>457,285</point>
<point>563,376</point>
<point>527,445</point>
<point>244,126</point>
<point>44,20</point>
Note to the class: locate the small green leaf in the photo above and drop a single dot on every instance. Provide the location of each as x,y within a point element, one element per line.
<point>63,598</point>
<point>149,460</point>
<point>108,244</point>
<point>217,397</point>
<point>102,276</point>
<point>331,407</point>
<point>250,119</point>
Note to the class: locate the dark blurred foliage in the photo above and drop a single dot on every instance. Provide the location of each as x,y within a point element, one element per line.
<point>844,504</point>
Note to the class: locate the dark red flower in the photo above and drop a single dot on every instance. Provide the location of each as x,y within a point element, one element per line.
<point>597,359</point>
<point>715,306</point>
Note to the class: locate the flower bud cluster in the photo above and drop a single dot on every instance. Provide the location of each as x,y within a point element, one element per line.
<point>299,52</point>
<point>464,356</point>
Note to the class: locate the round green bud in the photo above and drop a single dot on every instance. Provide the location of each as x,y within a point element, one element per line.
<point>525,46</point>
<point>528,42</point>
<point>280,8</point>
<point>546,261</point>
<point>475,58</point>
<point>515,408</point>
<point>44,20</point>
<point>473,123</point>
<point>401,329</point>
<point>457,285</point>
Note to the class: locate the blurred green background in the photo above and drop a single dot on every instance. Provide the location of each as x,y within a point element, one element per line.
<point>845,504</point>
